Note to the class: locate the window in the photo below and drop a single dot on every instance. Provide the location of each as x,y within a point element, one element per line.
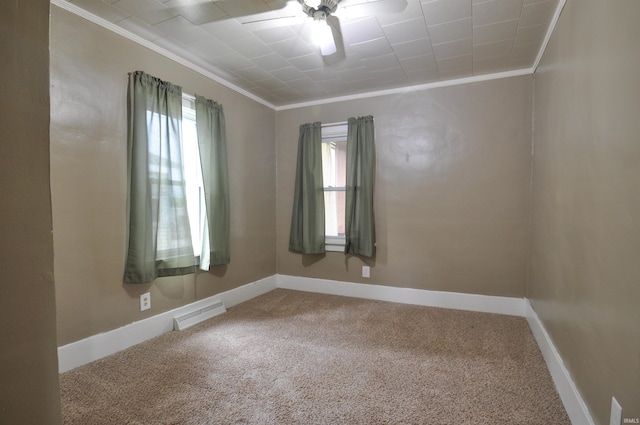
<point>192,173</point>
<point>334,174</point>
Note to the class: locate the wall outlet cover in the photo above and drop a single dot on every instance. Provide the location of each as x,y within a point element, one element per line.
<point>366,271</point>
<point>145,301</point>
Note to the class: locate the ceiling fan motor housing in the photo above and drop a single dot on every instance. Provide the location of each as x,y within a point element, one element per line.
<point>324,9</point>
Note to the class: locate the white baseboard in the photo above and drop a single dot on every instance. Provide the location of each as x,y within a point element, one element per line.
<point>573,403</point>
<point>454,300</point>
<point>98,346</point>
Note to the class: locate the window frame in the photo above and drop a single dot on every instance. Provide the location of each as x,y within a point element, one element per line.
<point>330,133</point>
<point>189,114</point>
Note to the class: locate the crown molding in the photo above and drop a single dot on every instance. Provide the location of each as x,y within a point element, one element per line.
<point>409,89</point>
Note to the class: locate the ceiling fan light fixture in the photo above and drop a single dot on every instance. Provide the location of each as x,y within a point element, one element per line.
<point>322,35</point>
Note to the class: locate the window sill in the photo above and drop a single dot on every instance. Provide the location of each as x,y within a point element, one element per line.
<point>334,244</point>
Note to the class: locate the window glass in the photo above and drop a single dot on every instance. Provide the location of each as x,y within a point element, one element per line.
<point>193,173</point>
<point>334,174</point>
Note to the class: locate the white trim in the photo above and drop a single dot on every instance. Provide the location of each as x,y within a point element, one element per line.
<point>408,89</point>
<point>64,4</point>
<point>454,300</point>
<point>550,30</point>
<point>98,346</point>
<point>573,403</point>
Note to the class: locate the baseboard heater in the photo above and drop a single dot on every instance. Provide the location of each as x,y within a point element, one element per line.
<point>201,314</point>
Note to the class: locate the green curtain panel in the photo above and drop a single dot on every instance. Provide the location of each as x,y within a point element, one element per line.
<point>360,235</point>
<point>212,143</point>
<point>159,238</point>
<point>307,220</point>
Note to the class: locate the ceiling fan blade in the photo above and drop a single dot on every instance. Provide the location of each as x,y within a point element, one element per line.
<point>275,22</point>
<point>287,15</point>
<point>363,8</point>
<point>338,53</point>
<point>239,8</point>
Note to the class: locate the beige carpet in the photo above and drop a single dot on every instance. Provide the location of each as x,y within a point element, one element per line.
<point>291,357</point>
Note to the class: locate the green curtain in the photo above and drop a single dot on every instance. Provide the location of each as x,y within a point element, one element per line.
<point>307,220</point>
<point>212,143</point>
<point>159,238</point>
<point>360,235</point>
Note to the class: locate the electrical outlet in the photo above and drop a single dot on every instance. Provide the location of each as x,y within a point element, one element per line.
<point>616,412</point>
<point>145,301</point>
<point>366,271</point>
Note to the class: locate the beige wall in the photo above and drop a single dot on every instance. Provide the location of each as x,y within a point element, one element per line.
<point>89,67</point>
<point>452,195</point>
<point>586,205</point>
<point>28,360</point>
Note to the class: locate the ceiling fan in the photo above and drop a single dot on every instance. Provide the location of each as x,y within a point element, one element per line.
<point>322,18</point>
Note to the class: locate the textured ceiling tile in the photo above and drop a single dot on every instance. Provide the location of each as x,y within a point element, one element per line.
<point>421,77</point>
<point>459,63</point>
<point>418,63</point>
<point>524,51</point>
<point>412,48</point>
<point>254,74</point>
<point>393,75</point>
<point>321,75</point>
<point>492,50</point>
<point>496,11</point>
<point>490,65</point>
<point>288,74</point>
<point>181,30</point>
<point>453,49</point>
<point>356,74</point>
<point>209,48</point>
<point>272,83</point>
<point>301,84</point>
<point>273,35</point>
<point>450,31</point>
<point>531,35</point>
<point>361,30</point>
<point>412,10</point>
<point>270,62</point>
<point>401,32</point>
<point>103,10</point>
<point>141,28</point>
<point>495,32</point>
<point>197,12</point>
<point>441,11</point>
<point>226,29</point>
<point>243,7</point>
<point>381,62</point>
<point>292,47</point>
<point>537,13</point>
<point>453,74</point>
<point>150,11</point>
<point>307,62</point>
<point>250,47</point>
<point>379,46</point>
<point>233,61</point>
<point>521,62</point>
